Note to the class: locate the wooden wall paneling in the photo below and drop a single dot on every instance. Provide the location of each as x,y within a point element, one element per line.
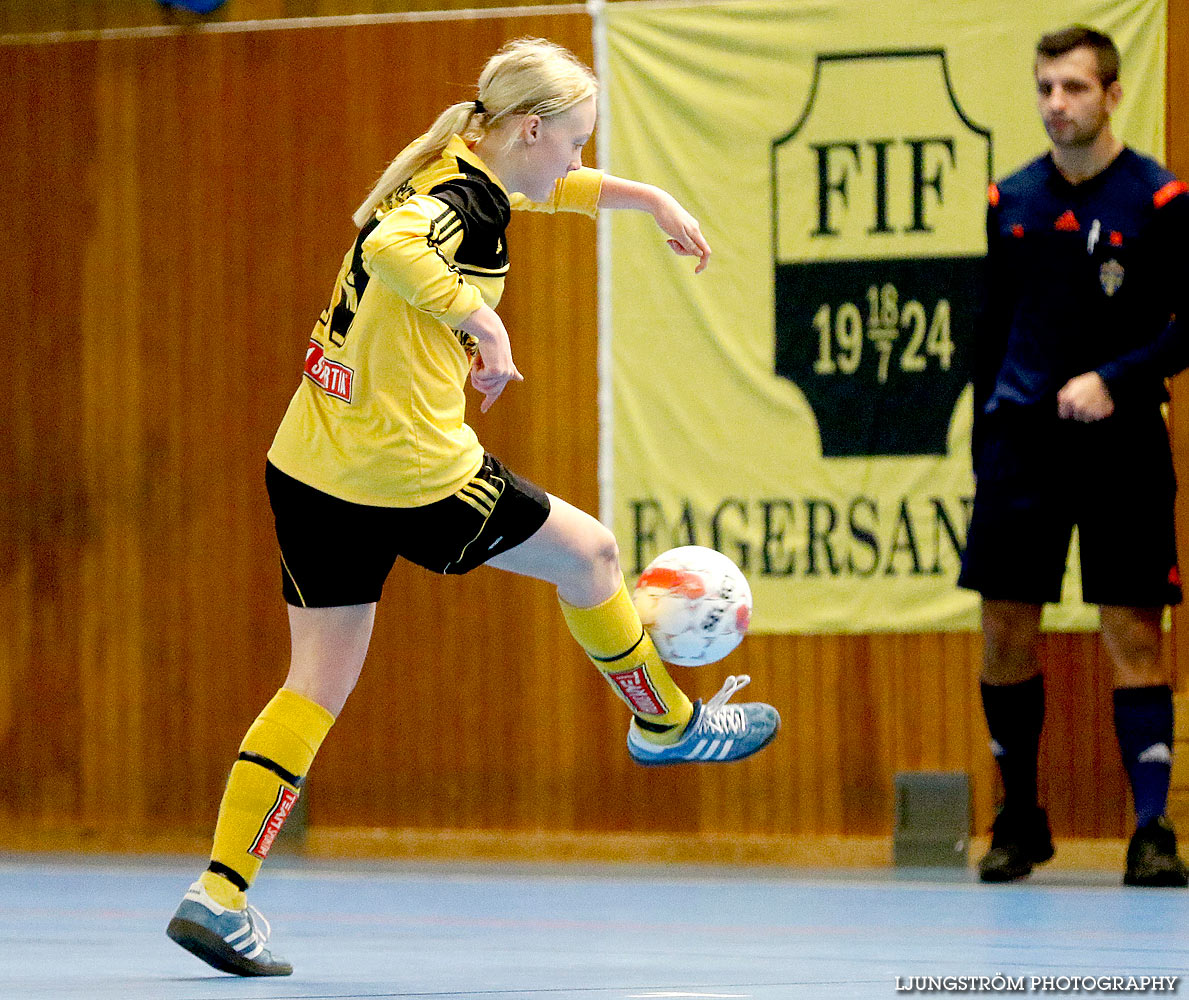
<point>36,16</point>
<point>791,792</point>
<point>801,742</point>
<point>836,729</point>
<point>852,783</point>
<point>975,752</point>
<point>174,510</point>
<point>926,650</point>
<point>1177,143</point>
<point>17,474</point>
<point>1113,814</point>
<point>1057,724</point>
<point>1107,810</point>
<point>1082,781</point>
<point>947,654</point>
<point>759,795</point>
<point>766,791</point>
<point>894,703</point>
<point>1079,708</point>
<point>1062,727</point>
<point>48,514</point>
<point>113,416</point>
<point>1176,127</point>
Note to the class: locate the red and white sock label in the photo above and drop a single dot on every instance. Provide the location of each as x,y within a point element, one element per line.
<point>273,822</point>
<point>637,689</point>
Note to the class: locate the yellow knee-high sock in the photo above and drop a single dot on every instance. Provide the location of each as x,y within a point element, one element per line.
<point>615,641</point>
<point>265,781</point>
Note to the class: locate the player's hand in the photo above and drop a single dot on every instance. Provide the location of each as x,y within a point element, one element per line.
<point>1085,398</point>
<point>685,235</point>
<point>493,367</point>
<point>490,380</point>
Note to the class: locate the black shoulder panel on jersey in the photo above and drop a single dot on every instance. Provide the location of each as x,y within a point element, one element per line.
<point>343,314</point>
<point>485,213</point>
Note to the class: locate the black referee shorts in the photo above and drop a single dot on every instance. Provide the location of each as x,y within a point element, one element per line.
<point>1038,477</point>
<point>336,553</point>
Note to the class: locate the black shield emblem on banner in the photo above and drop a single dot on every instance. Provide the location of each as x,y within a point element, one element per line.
<point>879,200</point>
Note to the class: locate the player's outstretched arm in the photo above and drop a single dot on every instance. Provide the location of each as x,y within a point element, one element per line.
<point>685,235</point>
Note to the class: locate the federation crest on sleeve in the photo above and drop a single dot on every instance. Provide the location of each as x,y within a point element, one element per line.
<point>1110,276</point>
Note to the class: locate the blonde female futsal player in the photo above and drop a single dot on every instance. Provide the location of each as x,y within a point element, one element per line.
<point>374,448</point>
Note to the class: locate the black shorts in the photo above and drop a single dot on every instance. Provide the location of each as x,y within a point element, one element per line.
<point>336,553</point>
<point>1037,478</point>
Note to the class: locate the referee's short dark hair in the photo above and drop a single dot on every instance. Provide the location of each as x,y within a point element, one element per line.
<point>1077,36</point>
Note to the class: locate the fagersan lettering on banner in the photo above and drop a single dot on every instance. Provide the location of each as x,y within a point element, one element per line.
<point>858,537</point>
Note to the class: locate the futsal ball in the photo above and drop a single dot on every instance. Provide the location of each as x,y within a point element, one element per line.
<point>695,604</point>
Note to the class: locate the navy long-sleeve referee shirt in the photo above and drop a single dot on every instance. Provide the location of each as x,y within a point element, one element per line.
<point>1083,277</point>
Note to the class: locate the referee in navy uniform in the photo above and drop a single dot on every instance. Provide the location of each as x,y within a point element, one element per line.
<point>1085,316</point>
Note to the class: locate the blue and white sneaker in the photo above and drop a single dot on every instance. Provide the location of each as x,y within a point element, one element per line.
<point>230,940</point>
<point>717,732</point>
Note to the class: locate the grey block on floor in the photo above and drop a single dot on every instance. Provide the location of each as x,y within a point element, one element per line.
<point>932,823</point>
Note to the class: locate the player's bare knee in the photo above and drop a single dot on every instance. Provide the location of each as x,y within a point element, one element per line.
<point>603,559</point>
<point>591,574</point>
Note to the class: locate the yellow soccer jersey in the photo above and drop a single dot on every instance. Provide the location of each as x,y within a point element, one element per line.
<point>379,416</point>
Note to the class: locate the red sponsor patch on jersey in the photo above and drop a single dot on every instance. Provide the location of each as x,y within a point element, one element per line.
<point>636,687</point>
<point>1067,222</point>
<point>331,377</point>
<point>1169,192</point>
<point>273,822</point>
<point>1017,230</point>
<point>993,194</point>
<point>679,581</point>
<point>1116,238</point>
<point>1174,576</point>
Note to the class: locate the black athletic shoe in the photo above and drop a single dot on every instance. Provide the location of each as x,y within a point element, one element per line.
<point>1152,857</point>
<point>1019,840</point>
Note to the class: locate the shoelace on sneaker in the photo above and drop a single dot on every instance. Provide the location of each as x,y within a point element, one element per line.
<point>254,916</point>
<point>718,716</point>
<point>258,930</point>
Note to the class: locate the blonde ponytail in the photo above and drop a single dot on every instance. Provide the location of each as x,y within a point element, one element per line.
<point>454,120</point>
<point>528,76</point>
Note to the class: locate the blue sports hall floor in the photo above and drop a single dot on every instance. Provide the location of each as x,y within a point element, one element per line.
<point>91,928</point>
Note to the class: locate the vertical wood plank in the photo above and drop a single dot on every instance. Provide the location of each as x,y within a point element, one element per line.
<point>1177,144</point>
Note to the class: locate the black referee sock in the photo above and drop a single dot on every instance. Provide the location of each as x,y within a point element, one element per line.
<point>1015,716</point>
<point>1144,726</point>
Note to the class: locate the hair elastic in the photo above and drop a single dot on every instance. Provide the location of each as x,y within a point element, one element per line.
<point>479,109</point>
